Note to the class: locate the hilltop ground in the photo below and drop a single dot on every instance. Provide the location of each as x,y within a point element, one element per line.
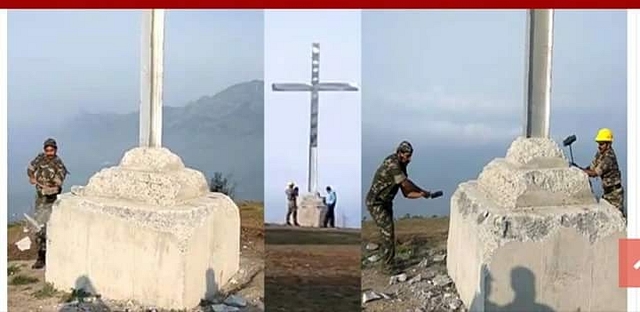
<point>312,269</point>
<point>421,250</point>
<point>27,291</point>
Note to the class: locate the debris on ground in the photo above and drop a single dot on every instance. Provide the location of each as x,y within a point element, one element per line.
<point>423,285</point>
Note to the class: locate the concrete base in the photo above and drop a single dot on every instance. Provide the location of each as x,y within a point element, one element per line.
<point>529,236</point>
<point>311,210</point>
<point>151,234</point>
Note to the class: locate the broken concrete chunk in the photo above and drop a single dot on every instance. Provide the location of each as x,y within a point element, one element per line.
<point>442,280</point>
<point>373,258</point>
<point>372,246</point>
<point>223,308</point>
<point>397,278</point>
<point>369,296</point>
<point>235,301</point>
<point>24,244</point>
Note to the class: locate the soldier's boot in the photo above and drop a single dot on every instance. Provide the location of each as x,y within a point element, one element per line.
<point>40,262</point>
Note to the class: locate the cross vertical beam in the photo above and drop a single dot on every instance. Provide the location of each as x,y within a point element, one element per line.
<point>314,88</point>
<point>151,78</point>
<point>312,182</point>
<point>538,72</point>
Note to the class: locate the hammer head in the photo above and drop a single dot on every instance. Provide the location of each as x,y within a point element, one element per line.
<point>569,140</point>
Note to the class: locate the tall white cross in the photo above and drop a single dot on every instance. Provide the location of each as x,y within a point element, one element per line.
<point>314,88</point>
<point>151,76</point>
<point>538,72</point>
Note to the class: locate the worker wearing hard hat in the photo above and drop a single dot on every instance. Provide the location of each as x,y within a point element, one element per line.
<point>605,166</point>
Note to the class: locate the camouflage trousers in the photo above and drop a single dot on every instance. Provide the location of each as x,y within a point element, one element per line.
<point>382,215</point>
<point>292,211</point>
<point>616,198</point>
<point>43,205</point>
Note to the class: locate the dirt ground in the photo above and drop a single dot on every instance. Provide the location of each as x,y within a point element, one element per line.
<point>27,291</point>
<point>416,240</point>
<point>309,270</point>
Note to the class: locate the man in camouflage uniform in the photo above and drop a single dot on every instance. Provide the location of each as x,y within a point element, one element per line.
<point>292,203</point>
<point>47,172</point>
<point>390,177</point>
<point>605,166</point>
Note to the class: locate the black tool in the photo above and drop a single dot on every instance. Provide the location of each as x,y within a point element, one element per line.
<point>436,194</point>
<point>568,142</point>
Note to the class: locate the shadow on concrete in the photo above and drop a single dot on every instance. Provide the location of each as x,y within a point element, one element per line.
<point>215,295</point>
<point>84,297</point>
<point>523,284</point>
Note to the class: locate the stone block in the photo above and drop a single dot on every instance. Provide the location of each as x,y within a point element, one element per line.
<point>154,235</point>
<point>311,210</point>
<point>526,235</point>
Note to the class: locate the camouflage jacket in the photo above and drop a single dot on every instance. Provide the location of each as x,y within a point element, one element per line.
<point>386,181</point>
<point>48,172</point>
<point>606,166</point>
<point>292,195</point>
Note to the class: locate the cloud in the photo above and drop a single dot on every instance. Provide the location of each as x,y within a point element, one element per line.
<point>445,117</point>
<point>438,99</point>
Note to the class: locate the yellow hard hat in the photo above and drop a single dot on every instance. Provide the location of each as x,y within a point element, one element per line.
<point>604,135</point>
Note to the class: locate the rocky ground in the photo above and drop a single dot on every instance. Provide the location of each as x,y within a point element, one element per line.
<point>312,269</point>
<point>423,284</point>
<point>27,291</point>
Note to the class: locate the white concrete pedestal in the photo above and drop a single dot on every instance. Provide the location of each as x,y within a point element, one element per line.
<point>311,210</point>
<point>147,230</point>
<point>528,231</point>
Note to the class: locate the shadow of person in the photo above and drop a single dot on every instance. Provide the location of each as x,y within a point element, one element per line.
<point>212,286</point>
<point>84,297</point>
<point>523,284</point>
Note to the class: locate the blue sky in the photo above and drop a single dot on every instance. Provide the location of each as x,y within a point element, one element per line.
<point>88,60</point>
<point>452,82</point>
<point>288,38</point>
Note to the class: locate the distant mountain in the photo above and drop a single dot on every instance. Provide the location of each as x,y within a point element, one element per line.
<point>223,132</point>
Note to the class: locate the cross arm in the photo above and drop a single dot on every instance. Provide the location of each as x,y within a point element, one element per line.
<point>291,87</point>
<point>336,86</point>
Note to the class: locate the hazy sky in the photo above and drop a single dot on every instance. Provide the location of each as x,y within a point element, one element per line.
<point>288,38</point>
<point>70,61</point>
<point>452,82</point>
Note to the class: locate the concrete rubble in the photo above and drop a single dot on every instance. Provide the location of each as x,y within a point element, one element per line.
<point>427,284</point>
<point>311,210</point>
<point>529,234</point>
<point>146,230</point>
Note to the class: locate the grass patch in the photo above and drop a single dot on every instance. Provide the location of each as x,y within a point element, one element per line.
<point>13,269</point>
<point>23,280</point>
<point>15,224</point>
<point>47,291</point>
<point>280,236</point>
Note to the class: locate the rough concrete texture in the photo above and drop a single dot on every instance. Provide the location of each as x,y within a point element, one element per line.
<point>526,233</point>
<point>534,173</point>
<point>156,235</point>
<point>311,210</point>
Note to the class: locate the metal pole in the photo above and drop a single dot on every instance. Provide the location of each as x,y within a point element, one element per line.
<point>538,72</point>
<point>151,78</point>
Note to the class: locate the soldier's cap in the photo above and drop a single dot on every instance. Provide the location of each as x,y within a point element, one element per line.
<point>50,143</point>
<point>405,147</point>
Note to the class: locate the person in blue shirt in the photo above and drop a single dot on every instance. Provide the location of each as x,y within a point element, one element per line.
<point>330,217</point>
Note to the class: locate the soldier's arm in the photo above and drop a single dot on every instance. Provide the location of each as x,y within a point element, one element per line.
<point>408,188</point>
<point>31,170</point>
<point>61,173</point>
<point>603,167</point>
<point>411,190</point>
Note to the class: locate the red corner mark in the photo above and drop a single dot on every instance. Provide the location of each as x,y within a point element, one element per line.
<point>629,262</point>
